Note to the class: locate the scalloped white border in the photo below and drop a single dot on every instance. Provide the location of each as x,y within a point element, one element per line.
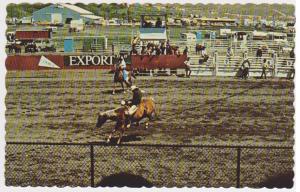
<point>55,189</point>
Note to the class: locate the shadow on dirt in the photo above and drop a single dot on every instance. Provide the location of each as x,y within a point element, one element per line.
<point>124,180</point>
<point>284,180</point>
<point>126,138</point>
<point>212,102</point>
<point>109,92</point>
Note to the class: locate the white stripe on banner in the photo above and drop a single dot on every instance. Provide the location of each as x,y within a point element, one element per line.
<point>44,62</point>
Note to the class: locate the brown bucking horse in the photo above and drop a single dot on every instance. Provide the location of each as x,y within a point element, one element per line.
<point>145,109</point>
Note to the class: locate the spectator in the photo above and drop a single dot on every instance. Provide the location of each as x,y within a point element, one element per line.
<point>229,53</point>
<point>186,50</point>
<point>264,68</point>
<point>149,51</point>
<point>177,51</point>
<point>133,52</point>
<point>203,51</point>
<point>291,73</point>
<point>158,23</point>
<point>143,51</point>
<point>153,51</point>
<point>134,41</point>
<point>188,67</point>
<point>163,48</point>
<point>157,50</point>
<point>292,53</point>
<point>259,53</point>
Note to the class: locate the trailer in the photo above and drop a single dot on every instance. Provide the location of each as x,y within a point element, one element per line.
<point>26,20</point>
<point>29,36</point>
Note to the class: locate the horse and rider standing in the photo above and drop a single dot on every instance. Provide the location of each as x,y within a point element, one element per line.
<point>121,75</point>
<point>244,69</point>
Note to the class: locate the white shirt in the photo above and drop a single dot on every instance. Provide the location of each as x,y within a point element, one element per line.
<point>123,64</point>
<point>187,63</point>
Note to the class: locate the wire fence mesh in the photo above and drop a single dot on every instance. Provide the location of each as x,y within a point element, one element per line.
<point>46,164</point>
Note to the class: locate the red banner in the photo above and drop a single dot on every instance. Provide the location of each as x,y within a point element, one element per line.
<point>157,62</point>
<point>23,35</point>
<point>34,62</point>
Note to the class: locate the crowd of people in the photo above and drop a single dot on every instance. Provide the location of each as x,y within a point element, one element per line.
<point>161,48</point>
<point>165,48</point>
<point>149,24</point>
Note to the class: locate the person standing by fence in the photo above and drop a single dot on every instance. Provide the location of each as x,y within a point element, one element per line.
<point>134,42</point>
<point>292,53</point>
<point>264,68</point>
<point>229,54</point>
<point>258,53</point>
<point>186,50</point>
<point>188,70</point>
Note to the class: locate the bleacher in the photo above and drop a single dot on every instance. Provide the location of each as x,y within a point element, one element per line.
<point>220,65</point>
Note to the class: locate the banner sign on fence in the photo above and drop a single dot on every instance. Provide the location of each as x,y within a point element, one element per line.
<point>86,60</point>
<point>57,61</point>
<point>158,62</point>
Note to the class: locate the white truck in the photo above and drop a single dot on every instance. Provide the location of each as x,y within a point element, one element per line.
<point>188,37</point>
<point>224,33</point>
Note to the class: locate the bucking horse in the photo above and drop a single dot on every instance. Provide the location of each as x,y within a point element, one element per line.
<point>146,109</point>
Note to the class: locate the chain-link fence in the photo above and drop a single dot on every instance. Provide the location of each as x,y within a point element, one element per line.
<point>135,165</point>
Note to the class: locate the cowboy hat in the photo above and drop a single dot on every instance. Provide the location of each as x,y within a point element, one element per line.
<point>133,87</point>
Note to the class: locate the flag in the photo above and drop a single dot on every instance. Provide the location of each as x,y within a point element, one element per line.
<point>44,62</point>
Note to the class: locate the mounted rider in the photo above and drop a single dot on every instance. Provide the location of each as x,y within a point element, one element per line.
<point>134,102</point>
<point>121,68</point>
<point>245,67</point>
<point>136,99</point>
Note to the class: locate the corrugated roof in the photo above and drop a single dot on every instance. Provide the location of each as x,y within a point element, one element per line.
<point>91,16</point>
<point>153,36</point>
<point>76,9</point>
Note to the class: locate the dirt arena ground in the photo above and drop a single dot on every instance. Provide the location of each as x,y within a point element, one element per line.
<point>62,106</point>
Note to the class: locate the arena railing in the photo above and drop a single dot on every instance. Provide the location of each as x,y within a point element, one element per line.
<point>168,165</point>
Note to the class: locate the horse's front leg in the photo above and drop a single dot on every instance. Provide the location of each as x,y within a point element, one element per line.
<point>114,91</point>
<point>110,135</point>
<point>147,122</point>
<point>123,87</point>
<point>121,134</point>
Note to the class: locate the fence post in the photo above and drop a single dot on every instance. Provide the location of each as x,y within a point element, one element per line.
<point>113,49</point>
<point>92,165</point>
<point>245,55</point>
<point>238,167</point>
<point>215,62</point>
<point>105,42</point>
<point>275,55</point>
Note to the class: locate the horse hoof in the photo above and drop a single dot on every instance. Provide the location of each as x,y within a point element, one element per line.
<point>107,141</point>
<point>113,93</point>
